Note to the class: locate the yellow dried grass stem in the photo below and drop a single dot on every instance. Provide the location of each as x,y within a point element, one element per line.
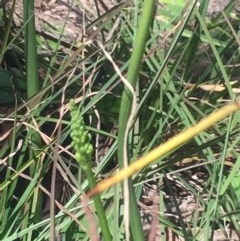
<point>165,148</point>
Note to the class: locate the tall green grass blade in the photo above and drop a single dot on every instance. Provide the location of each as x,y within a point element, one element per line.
<point>31,49</point>
<point>126,108</point>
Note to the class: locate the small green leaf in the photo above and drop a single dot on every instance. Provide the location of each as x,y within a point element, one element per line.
<point>5,80</point>
<point>7,96</point>
<point>236,184</point>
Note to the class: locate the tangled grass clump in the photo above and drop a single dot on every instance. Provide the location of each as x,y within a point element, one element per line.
<point>182,64</point>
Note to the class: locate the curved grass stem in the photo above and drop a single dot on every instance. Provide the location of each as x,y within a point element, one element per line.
<point>126,117</point>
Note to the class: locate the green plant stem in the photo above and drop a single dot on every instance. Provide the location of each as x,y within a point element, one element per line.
<point>33,87</point>
<point>31,49</point>
<point>126,105</point>
<point>98,204</point>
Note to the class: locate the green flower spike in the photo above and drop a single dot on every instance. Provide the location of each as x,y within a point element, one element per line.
<point>80,138</point>
<point>83,153</point>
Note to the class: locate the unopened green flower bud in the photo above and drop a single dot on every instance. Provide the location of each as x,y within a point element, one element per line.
<point>80,137</point>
